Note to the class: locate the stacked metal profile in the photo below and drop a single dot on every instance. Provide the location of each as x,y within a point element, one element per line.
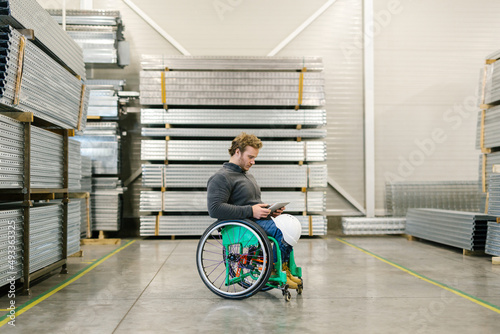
<point>86,181</point>
<point>447,195</point>
<point>83,216</point>
<point>216,150</point>
<point>256,95</point>
<point>491,126</point>
<point>493,239</point>
<point>492,84</point>
<point>11,244</point>
<point>97,32</point>
<point>11,153</point>
<point>485,171</point>
<point>101,142</point>
<point>231,88</point>
<point>28,14</point>
<point>466,230</point>
<point>373,226</point>
<point>261,133</point>
<point>196,201</point>
<point>276,118</point>
<point>103,101</point>
<point>46,159</point>
<point>74,225</point>
<point>106,203</point>
<point>196,176</point>
<point>47,89</point>
<point>75,166</point>
<point>196,225</point>
<point>45,235</point>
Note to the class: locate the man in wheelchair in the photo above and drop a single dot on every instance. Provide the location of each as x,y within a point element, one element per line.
<point>234,194</point>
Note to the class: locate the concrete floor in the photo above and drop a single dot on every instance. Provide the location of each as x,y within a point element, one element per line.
<point>152,286</point>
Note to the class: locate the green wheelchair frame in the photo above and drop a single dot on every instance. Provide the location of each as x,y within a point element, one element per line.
<point>246,261</point>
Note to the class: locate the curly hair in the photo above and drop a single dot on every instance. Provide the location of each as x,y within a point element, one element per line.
<point>242,141</point>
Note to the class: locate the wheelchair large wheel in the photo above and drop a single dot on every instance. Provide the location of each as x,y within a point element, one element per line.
<point>234,258</point>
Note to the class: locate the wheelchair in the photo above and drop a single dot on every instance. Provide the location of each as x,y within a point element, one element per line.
<point>235,260</point>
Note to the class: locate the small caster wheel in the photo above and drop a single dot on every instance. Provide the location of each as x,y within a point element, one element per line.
<point>299,289</point>
<point>287,295</point>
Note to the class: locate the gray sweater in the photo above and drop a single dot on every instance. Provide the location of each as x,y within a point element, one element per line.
<point>232,193</point>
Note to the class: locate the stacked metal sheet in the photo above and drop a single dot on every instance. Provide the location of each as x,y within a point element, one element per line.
<point>233,88</point>
<point>74,223</point>
<point>47,89</point>
<point>217,117</point>
<point>160,62</point>
<point>466,230</point>
<point>11,244</point>
<point>101,142</point>
<point>86,181</point>
<point>196,225</point>
<point>494,194</point>
<point>491,159</point>
<point>11,153</point>
<point>491,128</point>
<point>106,204</point>
<point>213,150</point>
<point>75,165</point>
<point>97,32</point>
<point>492,86</point>
<point>373,226</point>
<point>493,239</point>
<point>448,195</point>
<point>104,100</point>
<point>46,159</point>
<point>28,14</point>
<point>231,133</point>
<point>196,201</point>
<point>270,176</point>
<point>45,235</point>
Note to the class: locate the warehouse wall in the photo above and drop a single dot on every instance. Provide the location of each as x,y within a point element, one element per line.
<point>427,61</point>
<point>254,28</point>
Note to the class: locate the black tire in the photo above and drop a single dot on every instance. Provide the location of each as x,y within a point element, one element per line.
<point>247,251</point>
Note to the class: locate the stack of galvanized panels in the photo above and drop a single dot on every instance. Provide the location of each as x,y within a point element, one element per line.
<point>28,14</point>
<point>491,126</point>
<point>215,99</point>
<point>86,181</point>
<point>11,153</point>
<point>47,89</point>
<point>493,239</point>
<point>45,235</point>
<point>97,32</point>
<point>466,230</point>
<point>106,203</point>
<point>373,226</point>
<point>446,195</point>
<point>103,101</point>
<point>75,165</point>
<point>11,244</point>
<point>196,176</point>
<point>101,142</point>
<point>74,225</point>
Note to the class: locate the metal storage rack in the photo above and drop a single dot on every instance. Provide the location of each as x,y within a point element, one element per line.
<point>194,106</point>
<point>28,194</point>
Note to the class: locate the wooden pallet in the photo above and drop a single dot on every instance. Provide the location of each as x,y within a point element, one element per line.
<point>101,240</point>
<point>495,260</point>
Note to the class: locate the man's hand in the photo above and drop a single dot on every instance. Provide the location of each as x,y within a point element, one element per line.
<point>278,212</point>
<point>260,211</point>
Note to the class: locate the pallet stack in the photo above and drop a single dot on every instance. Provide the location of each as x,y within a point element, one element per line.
<point>487,140</point>
<point>43,102</point>
<point>194,106</point>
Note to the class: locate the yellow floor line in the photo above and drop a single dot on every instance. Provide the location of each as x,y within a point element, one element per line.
<point>476,300</point>
<point>41,298</point>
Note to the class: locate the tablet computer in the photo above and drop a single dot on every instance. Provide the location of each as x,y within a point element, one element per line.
<point>277,205</point>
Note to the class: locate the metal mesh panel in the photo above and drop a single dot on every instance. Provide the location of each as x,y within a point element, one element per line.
<point>448,195</point>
